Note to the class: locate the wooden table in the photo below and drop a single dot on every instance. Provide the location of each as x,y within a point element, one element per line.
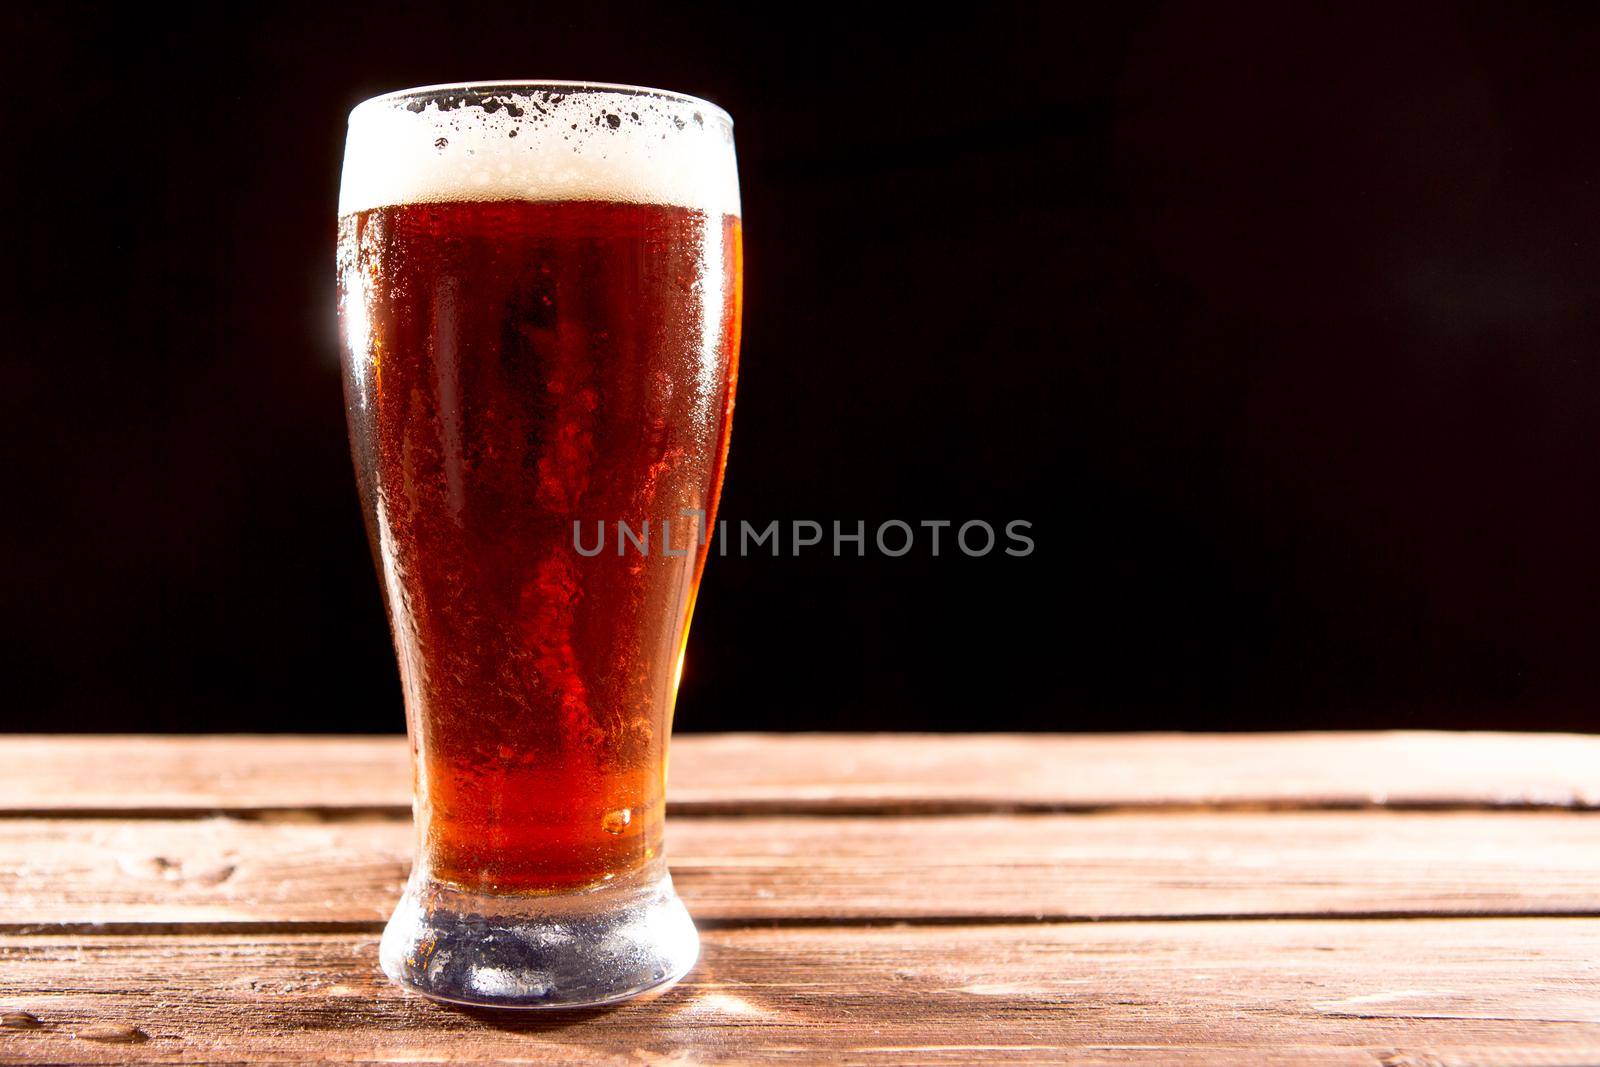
<point>1398,898</point>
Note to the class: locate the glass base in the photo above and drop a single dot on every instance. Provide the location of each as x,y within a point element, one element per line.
<point>574,950</point>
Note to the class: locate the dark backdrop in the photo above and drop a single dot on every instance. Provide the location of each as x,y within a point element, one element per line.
<point>1279,325</point>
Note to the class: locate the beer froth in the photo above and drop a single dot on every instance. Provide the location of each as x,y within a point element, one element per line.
<point>550,142</point>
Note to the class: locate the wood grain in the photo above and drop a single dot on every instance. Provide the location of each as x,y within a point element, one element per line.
<point>1415,992</point>
<point>745,773</point>
<point>797,869</point>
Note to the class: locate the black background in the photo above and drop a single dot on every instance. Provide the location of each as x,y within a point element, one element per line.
<point>1278,324</point>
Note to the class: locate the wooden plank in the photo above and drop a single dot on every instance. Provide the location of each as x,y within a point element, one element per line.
<point>800,869</point>
<point>1434,992</point>
<point>846,772</point>
<point>138,773</point>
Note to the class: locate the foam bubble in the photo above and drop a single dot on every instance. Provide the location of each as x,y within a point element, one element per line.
<point>550,141</point>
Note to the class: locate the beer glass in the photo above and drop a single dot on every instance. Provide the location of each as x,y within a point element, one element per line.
<point>539,292</point>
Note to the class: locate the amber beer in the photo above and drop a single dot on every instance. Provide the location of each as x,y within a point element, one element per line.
<point>539,291</point>
<point>535,364</point>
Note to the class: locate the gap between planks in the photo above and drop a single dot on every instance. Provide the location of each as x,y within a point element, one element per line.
<point>823,809</point>
<point>374,928</point>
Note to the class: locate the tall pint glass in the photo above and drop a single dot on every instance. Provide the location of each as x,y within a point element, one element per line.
<point>539,291</point>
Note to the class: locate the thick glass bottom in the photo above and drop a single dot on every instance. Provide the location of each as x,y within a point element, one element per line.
<point>572,950</point>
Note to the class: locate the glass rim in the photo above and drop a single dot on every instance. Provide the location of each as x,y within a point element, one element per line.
<point>514,85</point>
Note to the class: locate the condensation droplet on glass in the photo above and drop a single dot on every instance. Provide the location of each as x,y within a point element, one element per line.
<point>615,822</point>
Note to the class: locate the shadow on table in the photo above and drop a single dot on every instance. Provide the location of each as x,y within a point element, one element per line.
<point>542,1021</point>
<point>550,1020</point>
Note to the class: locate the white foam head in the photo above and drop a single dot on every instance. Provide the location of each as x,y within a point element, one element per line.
<point>544,141</point>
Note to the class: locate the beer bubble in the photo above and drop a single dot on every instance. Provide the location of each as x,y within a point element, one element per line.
<point>442,142</point>
<point>616,822</point>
